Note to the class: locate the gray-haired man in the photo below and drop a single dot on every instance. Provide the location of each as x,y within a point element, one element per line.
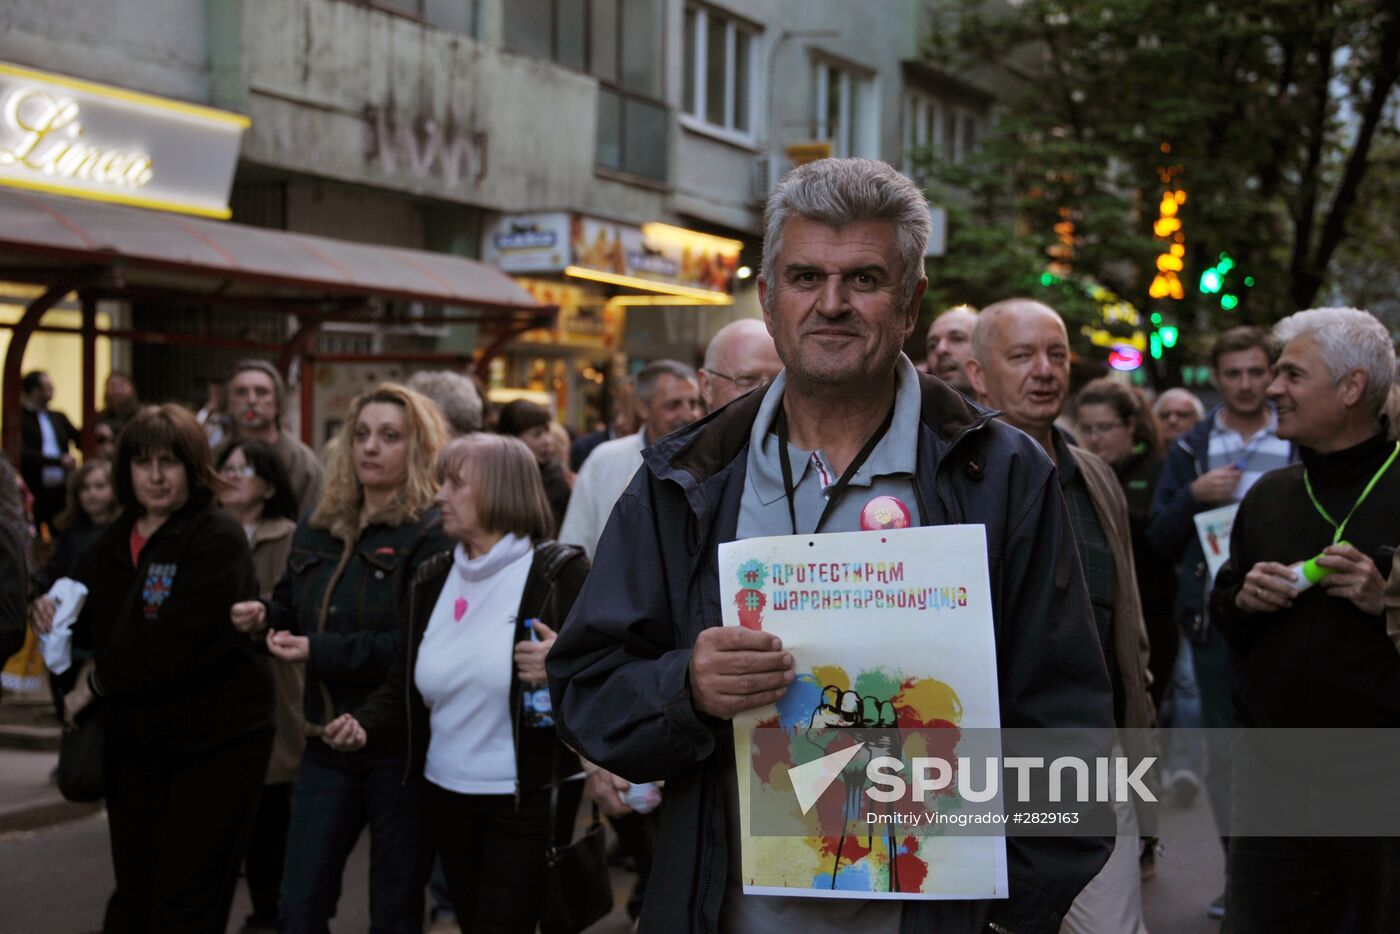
<point>645,680</point>
<point>668,398</point>
<point>1318,658</point>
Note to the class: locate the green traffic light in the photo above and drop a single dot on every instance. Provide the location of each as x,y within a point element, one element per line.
<point>1156,318</point>
<point>1228,301</point>
<point>1169,335</point>
<point>1154,344</point>
<point>1249,282</point>
<point>1211,281</point>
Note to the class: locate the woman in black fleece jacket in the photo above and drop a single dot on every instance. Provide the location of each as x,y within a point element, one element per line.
<point>188,701</point>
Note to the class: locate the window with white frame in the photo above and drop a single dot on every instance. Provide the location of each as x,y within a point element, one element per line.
<point>947,131</point>
<point>923,128</point>
<point>845,109</point>
<point>721,70</point>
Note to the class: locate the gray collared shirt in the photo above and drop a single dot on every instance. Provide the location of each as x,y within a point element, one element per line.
<point>763,510</point>
<point>889,471</point>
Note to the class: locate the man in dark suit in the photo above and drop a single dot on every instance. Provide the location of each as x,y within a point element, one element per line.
<point>47,436</point>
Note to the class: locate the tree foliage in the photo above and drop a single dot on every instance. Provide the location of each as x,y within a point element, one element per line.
<point>1274,113</point>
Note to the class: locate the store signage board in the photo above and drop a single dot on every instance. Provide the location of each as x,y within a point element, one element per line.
<point>71,137</point>
<point>657,253</point>
<point>519,243</point>
<point>653,257</point>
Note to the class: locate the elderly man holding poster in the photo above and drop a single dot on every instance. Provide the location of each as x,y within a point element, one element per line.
<point>848,437</point>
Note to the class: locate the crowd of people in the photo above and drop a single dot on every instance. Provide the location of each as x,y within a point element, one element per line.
<point>455,624</point>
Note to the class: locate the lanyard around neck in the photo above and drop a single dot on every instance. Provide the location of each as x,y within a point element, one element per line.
<point>840,486</point>
<point>1341,529</point>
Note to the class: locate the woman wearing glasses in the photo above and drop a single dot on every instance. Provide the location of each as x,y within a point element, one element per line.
<point>259,496</point>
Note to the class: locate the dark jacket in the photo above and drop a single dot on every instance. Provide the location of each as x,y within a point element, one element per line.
<point>355,632</point>
<point>583,446</point>
<point>619,672</point>
<point>395,715</point>
<point>1321,662</point>
<point>173,671</point>
<point>1172,528</point>
<point>14,590</point>
<point>1156,577</point>
<point>32,460</point>
<point>556,490</point>
<point>71,546</point>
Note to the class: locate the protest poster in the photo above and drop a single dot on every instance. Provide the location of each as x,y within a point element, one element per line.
<point>1213,528</point>
<point>896,624</point>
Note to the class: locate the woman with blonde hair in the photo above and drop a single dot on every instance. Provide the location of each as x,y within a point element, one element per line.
<point>336,609</point>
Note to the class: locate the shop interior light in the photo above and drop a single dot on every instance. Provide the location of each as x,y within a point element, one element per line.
<point>697,296</point>
<point>743,272</point>
<point>693,238</point>
<point>642,301</point>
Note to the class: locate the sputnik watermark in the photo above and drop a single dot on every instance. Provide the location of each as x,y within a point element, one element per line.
<point>1101,779</point>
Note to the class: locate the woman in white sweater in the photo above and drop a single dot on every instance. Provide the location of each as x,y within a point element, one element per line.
<point>469,687</point>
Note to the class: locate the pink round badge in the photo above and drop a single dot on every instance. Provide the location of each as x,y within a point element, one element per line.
<point>883,513</point>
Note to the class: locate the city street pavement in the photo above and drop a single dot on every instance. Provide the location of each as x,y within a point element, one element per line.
<point>55,880</point>
<point>56,871</point>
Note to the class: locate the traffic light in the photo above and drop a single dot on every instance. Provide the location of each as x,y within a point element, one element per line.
<point>1168,335</point>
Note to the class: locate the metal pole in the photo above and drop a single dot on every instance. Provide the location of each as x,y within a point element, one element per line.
<point>89,341</point>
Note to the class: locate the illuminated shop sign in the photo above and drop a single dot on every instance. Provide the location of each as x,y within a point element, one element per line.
<point>84,140</point>
<point>693,267</point>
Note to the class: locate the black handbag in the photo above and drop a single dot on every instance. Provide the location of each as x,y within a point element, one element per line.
<point>578,889</point>
<point>577,886</point>
<point>82,773</point>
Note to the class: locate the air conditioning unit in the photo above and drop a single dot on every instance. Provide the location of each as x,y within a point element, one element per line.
<point>408,318</point>
<point>762,179</point>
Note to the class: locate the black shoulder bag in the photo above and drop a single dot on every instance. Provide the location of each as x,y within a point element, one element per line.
<point>82,770</point>
<point>578,890</point>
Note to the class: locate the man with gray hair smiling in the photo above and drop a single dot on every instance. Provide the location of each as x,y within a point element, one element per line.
<point>645,680</point>
<point>1315,656</point>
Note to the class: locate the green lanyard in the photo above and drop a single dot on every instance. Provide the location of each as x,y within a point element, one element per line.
<point>1364,493</point>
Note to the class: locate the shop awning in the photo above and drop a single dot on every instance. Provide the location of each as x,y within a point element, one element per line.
<point>184,255</point>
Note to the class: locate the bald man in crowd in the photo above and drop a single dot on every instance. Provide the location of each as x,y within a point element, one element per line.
<point>950,344</point>
<point>741,357</point>
<point>1020,365</point>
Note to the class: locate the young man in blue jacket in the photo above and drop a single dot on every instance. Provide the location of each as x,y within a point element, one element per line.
<point>645,679</point>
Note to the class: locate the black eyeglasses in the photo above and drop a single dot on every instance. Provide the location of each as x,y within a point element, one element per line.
<point>743,383</point>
